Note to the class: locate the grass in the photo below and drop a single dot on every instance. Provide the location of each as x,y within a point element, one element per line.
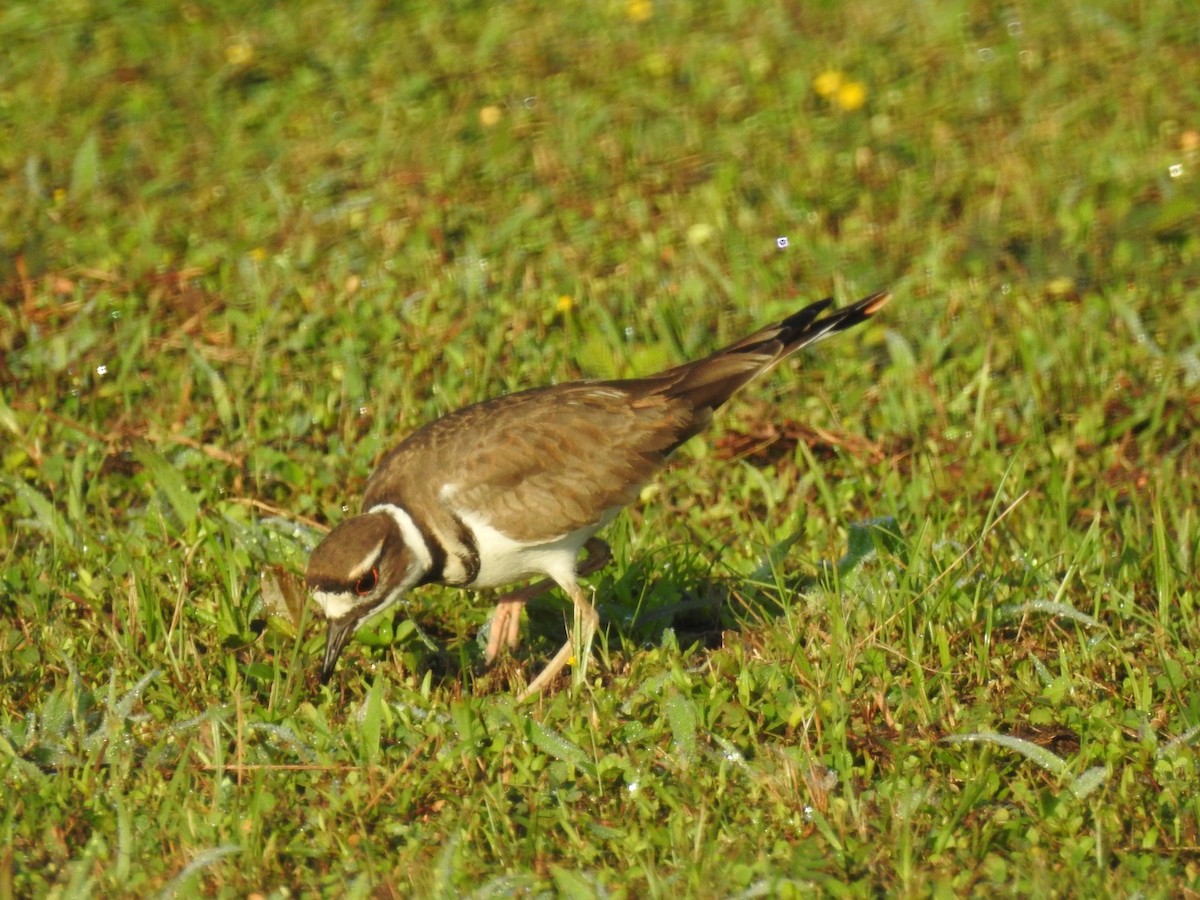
<point>242,253</point>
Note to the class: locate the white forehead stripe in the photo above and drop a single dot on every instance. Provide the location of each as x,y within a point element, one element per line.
<point>334,604</point>
<point>413,539</point>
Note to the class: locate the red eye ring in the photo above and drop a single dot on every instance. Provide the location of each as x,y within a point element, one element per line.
<point>367,582</point>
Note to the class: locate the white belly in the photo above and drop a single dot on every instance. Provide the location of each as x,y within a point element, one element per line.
<point>503,560</point>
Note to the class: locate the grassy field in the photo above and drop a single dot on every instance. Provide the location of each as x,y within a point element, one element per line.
<point>919,615</point>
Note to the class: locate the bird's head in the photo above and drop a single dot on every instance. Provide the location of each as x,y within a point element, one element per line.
<point>361,568</point>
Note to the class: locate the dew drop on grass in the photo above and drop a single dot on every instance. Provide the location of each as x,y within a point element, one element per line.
<point>632,787</point>
<point>629,332</point>
<point>1176,171</point>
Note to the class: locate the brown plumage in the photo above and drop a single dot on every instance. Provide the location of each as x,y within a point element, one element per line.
<point>572,451</point>
<point>515,486</point>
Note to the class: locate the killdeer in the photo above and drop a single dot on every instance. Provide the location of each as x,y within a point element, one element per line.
<point>515,487</point>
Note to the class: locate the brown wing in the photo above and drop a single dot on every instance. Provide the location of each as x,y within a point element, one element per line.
<point>545,462</point>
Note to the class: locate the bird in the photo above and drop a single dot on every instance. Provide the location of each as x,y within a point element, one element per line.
<point>515,487</point>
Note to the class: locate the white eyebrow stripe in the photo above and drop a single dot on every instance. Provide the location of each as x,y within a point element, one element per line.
<point>367,562</point>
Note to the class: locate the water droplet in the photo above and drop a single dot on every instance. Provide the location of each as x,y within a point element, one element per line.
<point>987,54</point>
<point>781,242</point>
<point>632,787</point>
<point>529,102</point>
<point>1015,28</point>
<point>629,332</point>
<point>102,370</point>
<point>1176,170</point>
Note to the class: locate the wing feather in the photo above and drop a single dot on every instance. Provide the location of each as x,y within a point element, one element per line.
<point>542,463</point>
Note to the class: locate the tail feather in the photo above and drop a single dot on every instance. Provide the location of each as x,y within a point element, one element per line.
<point>707,383</point>
<point>803,328</point>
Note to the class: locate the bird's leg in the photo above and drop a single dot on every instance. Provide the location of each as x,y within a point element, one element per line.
<point>506,620</point>
<point>599,555</point>
<point>505,625</point>
<point>579,643</point>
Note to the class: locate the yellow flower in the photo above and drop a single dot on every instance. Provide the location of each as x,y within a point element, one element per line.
<point>1060,287</point>
<point>639,10</point>
<point>827,83</point>
<point>489,116</point>
<point>851,96</point>
<point>565,304</point>
<point>239,53</point>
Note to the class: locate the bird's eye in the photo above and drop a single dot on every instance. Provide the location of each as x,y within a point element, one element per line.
<point>366,584</point>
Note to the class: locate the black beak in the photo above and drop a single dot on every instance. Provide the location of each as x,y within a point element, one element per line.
<point>339,634</point>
